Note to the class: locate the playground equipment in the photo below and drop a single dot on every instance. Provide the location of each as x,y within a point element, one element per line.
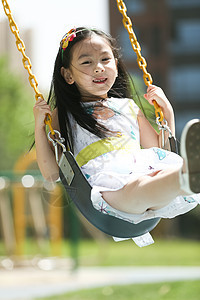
<point>25,189</point>
<point>26,201</point>
<point>72,178</point>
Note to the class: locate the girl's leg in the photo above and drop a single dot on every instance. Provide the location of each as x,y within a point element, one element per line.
<point>158,189</point>
<point>147,192</point>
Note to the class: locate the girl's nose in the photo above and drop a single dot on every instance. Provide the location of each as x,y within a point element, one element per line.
<point>99,68</point>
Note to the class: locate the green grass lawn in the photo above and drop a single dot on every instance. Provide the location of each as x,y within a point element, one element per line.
<point>163,252</point>
<point>189,290</point>
<point>126,253</point>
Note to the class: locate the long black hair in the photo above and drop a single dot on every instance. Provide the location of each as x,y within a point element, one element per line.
<point>67,98</point>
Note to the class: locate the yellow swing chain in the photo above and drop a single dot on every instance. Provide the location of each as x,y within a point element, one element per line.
<point>137,49</point>
<point>26,61</point>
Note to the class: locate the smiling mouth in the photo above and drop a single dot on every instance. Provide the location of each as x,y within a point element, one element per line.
<point>100,80</point>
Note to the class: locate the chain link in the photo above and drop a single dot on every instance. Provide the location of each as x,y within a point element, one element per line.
<point>137,49</point>
<point>26,61</point>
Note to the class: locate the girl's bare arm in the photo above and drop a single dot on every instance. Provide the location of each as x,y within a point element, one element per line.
<point>45,154</point>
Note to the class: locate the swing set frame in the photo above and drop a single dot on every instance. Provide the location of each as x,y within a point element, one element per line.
<point>71,176</point>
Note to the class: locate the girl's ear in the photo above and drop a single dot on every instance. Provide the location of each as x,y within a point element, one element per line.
<point>67,75</point>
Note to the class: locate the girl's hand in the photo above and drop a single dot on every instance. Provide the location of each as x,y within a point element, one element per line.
<point>157,94</point>
<point>40,110</point>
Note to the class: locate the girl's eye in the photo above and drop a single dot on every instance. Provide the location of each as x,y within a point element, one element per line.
<point>106,59</point>
<point>86,62</point>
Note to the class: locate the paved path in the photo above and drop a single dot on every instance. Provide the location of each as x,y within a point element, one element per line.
<point>30,283</point>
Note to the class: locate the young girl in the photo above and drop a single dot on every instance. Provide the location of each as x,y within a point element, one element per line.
<point>90,96</point>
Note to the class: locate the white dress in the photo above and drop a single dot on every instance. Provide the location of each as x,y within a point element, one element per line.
<point>110,163</point>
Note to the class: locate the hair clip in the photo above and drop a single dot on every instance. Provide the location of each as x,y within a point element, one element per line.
<point>68,38</point>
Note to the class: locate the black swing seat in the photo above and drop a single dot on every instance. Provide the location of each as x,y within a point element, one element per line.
<point>79,191</point>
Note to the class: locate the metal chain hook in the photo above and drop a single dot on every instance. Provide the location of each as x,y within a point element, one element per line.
<point>163,127</point>
<point>57,141</point>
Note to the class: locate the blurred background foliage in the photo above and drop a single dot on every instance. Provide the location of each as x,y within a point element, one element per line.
<point>16,117</point>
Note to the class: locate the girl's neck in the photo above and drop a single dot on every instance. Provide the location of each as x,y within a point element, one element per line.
<point>92,99</point>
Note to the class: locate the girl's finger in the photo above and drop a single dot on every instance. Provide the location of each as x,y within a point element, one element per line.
<point>151,87</point>
<point>40,100</point>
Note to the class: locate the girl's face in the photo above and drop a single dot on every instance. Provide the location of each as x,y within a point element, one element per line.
<point>93,67</point>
